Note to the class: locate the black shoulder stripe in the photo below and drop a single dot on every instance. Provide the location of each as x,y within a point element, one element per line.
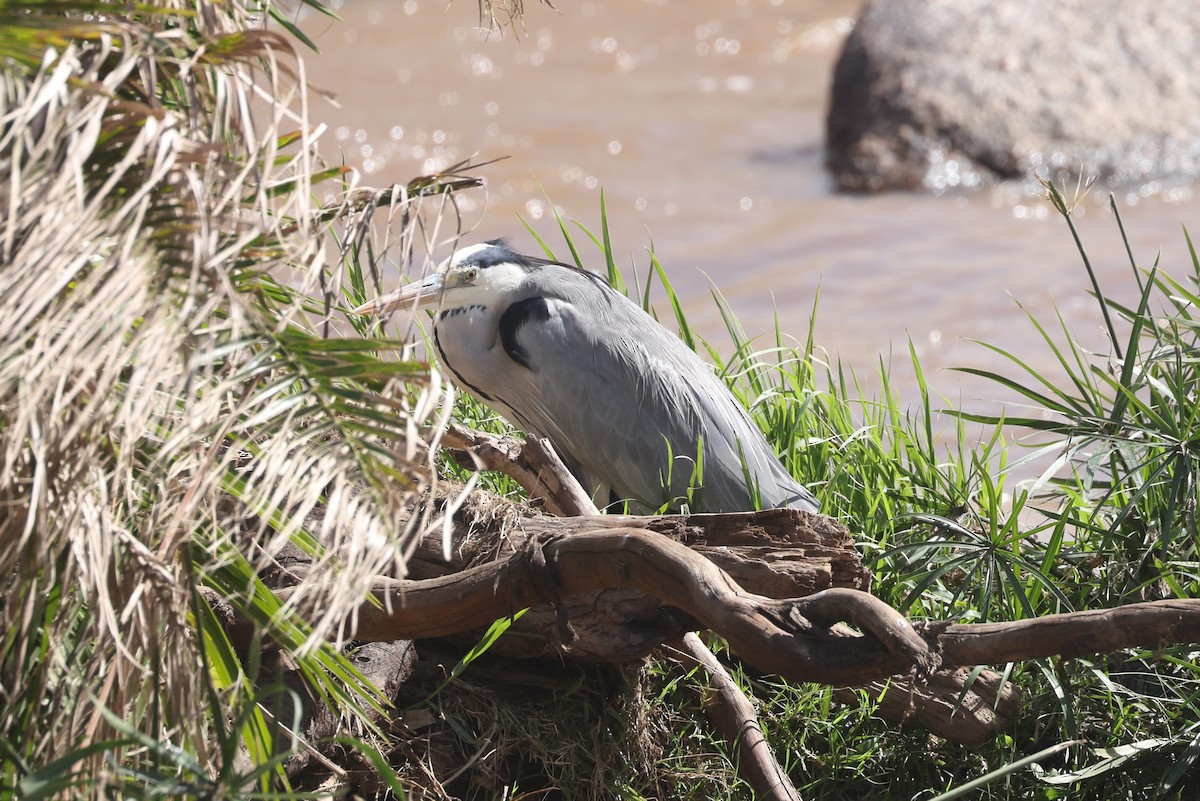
<point>515,316</point>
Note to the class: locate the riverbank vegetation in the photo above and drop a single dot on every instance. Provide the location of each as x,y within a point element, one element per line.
<point>183,404</point>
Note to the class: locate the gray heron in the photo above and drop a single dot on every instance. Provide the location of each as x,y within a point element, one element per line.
<point>627,405</point>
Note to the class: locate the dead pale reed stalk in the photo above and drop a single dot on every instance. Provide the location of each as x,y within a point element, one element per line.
<point>161,398</point>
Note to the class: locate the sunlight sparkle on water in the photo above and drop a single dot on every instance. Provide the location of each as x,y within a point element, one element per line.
<point>739,83</point>
<point>727,46</point>
<point>482,65</point>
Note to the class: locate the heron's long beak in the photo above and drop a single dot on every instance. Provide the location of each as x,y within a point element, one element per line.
<point>425,292</point>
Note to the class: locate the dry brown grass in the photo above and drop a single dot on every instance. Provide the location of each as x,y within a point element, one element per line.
<point>160,394</point>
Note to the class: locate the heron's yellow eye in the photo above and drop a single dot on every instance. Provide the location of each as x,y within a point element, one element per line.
<point>472,274</point>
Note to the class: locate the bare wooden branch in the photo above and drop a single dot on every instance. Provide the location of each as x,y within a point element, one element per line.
<point>735,718</point>
<point>660,578</point>
<point>1151,624</point>
<point>781,553</point>
<point>634,582</point>
<point>533,464</point>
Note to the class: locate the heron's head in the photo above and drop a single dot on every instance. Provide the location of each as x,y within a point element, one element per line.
<point>482,275</point>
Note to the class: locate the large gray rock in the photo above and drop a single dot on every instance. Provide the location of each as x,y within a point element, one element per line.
<point>938,93</point>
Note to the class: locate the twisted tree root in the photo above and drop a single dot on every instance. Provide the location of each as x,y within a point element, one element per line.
<point>800,639</point>
<point>772,635</point>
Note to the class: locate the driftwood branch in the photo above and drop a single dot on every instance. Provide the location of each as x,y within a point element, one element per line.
<point>775,636</point>
<point>1150,624</point>
<point>533,464</point>
<point>758,551</point>
<point>803,639</point>
<point>734,716</point>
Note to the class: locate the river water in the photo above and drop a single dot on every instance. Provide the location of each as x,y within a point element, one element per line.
<point>702,120</point>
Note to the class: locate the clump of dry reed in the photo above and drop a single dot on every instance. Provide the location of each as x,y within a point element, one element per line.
<point>172,387</point>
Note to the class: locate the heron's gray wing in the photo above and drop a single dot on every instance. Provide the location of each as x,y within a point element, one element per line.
<point>602,381</point>
<point>734,450</point>
<point>628,402</point>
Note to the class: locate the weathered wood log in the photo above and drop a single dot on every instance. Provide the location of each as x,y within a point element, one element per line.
<point>615,587</point>
<point>605,587</point>
<point>949,705</point>
<point>782,554</point>
<point>799,638</point>
<point>538,468</point>
<point>793,638</point>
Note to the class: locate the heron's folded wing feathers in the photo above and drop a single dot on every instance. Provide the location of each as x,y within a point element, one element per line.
<point>597,387</point>
<point>612,388</point>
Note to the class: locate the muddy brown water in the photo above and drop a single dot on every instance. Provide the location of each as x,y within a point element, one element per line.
<point>703,123</point>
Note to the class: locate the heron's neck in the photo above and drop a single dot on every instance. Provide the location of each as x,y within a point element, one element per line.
<point>471,325</point>
<point>469,309</point>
